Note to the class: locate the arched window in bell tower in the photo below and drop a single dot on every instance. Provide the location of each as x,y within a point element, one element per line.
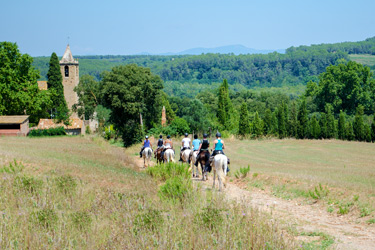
<point>66,71</point>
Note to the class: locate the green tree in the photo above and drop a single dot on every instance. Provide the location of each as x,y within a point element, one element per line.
<point>244,123</point>
<point>268,122</point>
<point>293,121</point>
<point>349,134</point>
<point>302,121</point>
<point>257,125</point>
<point>367,129</point>
<point>281,122</point>
<point>359,127</point>
<point>225,108</point>
<point>88,92</point>
<point>314,128</point>
<point>128,91</point>
<point>341,126</point>
<point>19,92</point>
<point>323,125</point>
<point>373,129</point>
<point>54,82</point>
<point>331,128</point>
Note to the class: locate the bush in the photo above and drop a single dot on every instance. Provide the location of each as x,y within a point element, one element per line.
<point>176,188</point>
<point>47,132</point>
<point>28,183</point>
<point>168,170</point>
<point>150,219</point>
<point>319,192</point>
<point>242,173</point>
<point>81,219</point>
<point>66,184</point>
<point>46,217</point>
<point>12,168</point>
<point>109,132</point>
<point>211,217</point>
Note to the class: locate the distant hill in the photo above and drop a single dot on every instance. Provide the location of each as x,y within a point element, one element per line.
<point>230,49</point>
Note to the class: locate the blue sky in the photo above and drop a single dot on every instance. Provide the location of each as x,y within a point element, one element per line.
<point>104,27</point>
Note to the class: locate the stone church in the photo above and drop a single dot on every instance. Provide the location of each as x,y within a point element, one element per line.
<point>70,73</point>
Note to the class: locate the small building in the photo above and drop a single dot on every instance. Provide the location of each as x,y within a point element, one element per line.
<point>14,125</point>
<point>76,126</point>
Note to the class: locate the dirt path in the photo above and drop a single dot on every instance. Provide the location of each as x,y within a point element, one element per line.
<point>307,218</point>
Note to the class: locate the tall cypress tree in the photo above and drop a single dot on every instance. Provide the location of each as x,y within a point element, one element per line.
<point>244,123</point>
<point>341,126</point>
<point>55,85</point>
<point>268,122</point>
<point>293,123</point>
<point>225,108</point>
<point>257,125</point>
<point>314,128</point>
<point>323,125</point>
<point>349,134</point>
<point>373,129</point>
<point>281,122</point>
<point>331,128</point>
<point>302,121</point>
<point>359,127</point>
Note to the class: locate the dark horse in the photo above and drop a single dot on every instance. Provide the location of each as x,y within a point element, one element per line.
<point>159,155</point>
<point>203,160</point>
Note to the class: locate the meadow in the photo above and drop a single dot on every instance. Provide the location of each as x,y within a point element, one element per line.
<point>364,59</point>
<point>83,193</point>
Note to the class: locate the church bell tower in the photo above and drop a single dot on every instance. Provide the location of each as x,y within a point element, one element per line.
<point>70,74</point>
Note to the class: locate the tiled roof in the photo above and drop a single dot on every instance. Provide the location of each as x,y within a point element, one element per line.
<point>42,85</point>
<point>13,119</point>
<point>76,123</point>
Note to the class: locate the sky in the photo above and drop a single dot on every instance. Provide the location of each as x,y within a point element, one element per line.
<point>124,27</point>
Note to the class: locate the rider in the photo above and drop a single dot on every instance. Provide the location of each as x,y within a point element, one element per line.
<point>185,144</point>
<point>146,144</point>
<point>168,144</point>
<point>218,147</point>
<point>160,144</point>
<point>204,148</point>
<point>196,143</point>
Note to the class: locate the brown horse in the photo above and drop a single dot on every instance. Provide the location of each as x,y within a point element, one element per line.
<point>159,156</point>
<point>203,160</point>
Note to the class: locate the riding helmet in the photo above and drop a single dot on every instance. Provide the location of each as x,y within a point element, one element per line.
<point>160,136</point>
<point>146,136</point>
<point>168,136</point>
<point>204,135</point>
<point>195,136</point>
<point>218,134</point>
<point>186,134</point>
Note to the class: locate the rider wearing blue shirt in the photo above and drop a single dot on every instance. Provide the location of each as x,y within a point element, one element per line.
<point>146,144</point>
<point>219,146</point>
<point>196,143</point>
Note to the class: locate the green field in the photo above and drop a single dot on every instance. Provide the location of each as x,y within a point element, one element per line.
<point>83,193</point>
<point>365,59</point>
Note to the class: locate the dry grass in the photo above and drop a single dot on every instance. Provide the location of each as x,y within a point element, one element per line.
<point>82,193</point>
<point>291,168</point>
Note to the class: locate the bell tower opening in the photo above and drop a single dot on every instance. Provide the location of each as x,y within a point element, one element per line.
<point>66,70</point>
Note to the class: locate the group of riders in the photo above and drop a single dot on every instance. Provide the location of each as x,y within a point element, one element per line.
<point>202,146</point>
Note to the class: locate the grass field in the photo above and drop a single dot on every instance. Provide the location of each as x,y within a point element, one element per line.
<point>291,168</point>
<point>83,193</point>
<point>368,60</point>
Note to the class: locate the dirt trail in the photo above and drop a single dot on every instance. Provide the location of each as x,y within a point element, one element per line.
<point>307,218</point>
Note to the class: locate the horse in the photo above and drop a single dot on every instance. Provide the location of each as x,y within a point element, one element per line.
<point>158,155</point>
<point>147,154</point>
<point>220,165</point>
<point>169,155</point>
<point>194,169</point>
<point>202,161</point>
<point>185,155</point>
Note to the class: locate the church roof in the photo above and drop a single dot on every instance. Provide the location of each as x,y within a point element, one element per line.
<point>68,57</point>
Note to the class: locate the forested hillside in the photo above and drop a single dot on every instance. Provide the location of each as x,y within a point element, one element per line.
<point>298,65</point>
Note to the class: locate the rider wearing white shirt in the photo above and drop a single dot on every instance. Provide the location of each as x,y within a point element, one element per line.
<point>185,144</point>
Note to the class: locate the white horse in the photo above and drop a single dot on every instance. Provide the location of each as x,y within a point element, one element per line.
<point>147,154</point>
<point>220,165</point>
<point>169,155</point>
<point>185,155</point>
<point>195,171</point>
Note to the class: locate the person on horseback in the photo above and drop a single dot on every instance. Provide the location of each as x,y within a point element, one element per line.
<point>146,144</point>
<point>160,145</point>
<point>196,143</point>
<point>204,148</point>
<point>168,144</point>
<point>218,147</point>
<point>185,144</point>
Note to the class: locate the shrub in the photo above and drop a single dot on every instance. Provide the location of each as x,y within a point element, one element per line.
<point>13,168</point>
<point>211,217</point>
<point>109,132</point>
<point>28,183</point>
<point>66,184</point>
<point>150,219</point>
<point>81,219</point>
<point>88,130</point>
<point>168,170</point>
<point>242,173</point>
<point>47,132</point>
<point>46,217</point>
<point>344,208</point>
<point>176,188</point>
<point>319,192</point>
